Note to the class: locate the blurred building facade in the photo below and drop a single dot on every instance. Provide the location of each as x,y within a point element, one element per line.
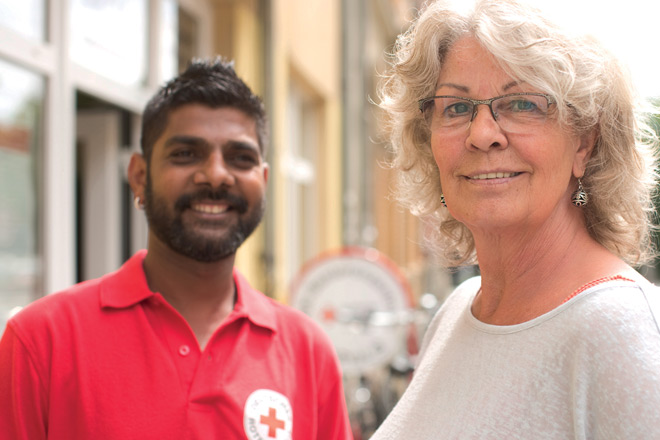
<point>75,75</point>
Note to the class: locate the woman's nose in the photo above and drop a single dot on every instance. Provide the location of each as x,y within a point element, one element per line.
<point>484,132</point>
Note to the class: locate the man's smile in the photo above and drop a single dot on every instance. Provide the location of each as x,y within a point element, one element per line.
<point>210,208</point>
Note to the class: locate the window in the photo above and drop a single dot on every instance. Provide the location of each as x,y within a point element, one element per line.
<point>21,107</point>
<point>168,39</point>
<point>26,17</point>
<point>188,36</point>
<point>110,38</point>
<point>302,188</point>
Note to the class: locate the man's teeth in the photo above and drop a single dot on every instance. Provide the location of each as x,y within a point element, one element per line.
<point>493,176</point>
<point>210,209</point>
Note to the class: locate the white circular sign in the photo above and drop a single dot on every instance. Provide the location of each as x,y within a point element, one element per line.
<point>361,301</point>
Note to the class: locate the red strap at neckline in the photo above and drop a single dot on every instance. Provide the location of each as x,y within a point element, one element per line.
<point>595,283</point>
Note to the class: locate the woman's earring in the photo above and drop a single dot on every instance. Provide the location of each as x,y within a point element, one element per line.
<point>442,200</point>
<point>580,197</point>
<point>137,202</point>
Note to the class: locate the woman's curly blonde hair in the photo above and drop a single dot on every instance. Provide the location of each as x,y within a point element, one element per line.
<point>592,90</point>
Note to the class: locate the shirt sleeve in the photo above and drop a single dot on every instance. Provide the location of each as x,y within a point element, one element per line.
<point>24,402</point>
<point>333,415</point>
<point>333,420</point>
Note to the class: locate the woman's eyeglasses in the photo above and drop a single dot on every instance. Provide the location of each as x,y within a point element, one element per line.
<point>515,112</point>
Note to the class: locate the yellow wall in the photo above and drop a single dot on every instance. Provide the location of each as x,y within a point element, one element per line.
<point>307,44</point>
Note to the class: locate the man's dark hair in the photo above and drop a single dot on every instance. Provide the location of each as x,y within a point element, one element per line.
<point>211,82</point>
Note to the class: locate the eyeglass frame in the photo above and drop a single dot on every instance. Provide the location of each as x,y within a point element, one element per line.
<point>488,102</point>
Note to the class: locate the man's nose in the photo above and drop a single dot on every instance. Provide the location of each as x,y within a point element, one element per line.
<point>214,172</point>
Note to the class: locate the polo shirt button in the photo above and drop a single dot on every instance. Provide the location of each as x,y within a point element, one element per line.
<point>184,350</point>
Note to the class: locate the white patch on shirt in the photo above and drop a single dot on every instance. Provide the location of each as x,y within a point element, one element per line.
<point>267,416</point>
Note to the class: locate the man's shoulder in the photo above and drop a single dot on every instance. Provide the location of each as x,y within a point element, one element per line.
<point>85,294</point>
<point>58,317</point>
<point>59,306</point>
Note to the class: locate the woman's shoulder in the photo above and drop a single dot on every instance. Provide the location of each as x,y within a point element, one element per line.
<point>620,299</point>
<point>619,314</point>
<point>615,341</point>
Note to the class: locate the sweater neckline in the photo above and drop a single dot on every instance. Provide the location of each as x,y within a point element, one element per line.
<point>514,328</point>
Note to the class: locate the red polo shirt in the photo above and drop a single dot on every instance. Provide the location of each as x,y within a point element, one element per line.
<point>109,359</point>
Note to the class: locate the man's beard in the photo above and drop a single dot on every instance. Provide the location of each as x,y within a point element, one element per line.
<point>169,227</point>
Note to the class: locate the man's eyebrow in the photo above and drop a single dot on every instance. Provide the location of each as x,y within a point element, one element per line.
<point>195,141</point>
<point>243,145</point>
<point>185,140</point>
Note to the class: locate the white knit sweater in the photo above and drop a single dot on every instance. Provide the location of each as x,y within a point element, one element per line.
<point>589,369</point>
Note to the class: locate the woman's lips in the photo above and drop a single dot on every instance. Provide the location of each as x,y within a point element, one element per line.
<point>497,175</point>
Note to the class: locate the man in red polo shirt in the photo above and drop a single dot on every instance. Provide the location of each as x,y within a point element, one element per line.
<point>176,344</point>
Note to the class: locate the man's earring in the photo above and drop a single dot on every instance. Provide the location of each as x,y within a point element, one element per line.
<point>442,200</point>
<point>580,197</point>
<point>137,202</point>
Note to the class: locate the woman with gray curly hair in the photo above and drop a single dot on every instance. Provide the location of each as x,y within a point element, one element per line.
<point>522,146</point>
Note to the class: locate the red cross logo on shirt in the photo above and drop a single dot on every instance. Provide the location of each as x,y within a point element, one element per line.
<point>267,416</point>
<point>272,422</point>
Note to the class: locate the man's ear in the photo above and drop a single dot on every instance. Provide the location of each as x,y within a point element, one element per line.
<point>137,175</point>
<point>584,151</point>
<point>266,169</point>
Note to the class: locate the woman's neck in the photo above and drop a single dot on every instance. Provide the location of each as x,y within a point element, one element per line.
<point>526,276</point>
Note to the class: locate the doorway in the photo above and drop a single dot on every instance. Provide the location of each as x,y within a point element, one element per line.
<point>108,229</point>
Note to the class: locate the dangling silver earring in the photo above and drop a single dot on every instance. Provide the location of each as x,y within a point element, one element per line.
<point>442,200</point>
<point>580,197</point>
<point>137,202</point>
